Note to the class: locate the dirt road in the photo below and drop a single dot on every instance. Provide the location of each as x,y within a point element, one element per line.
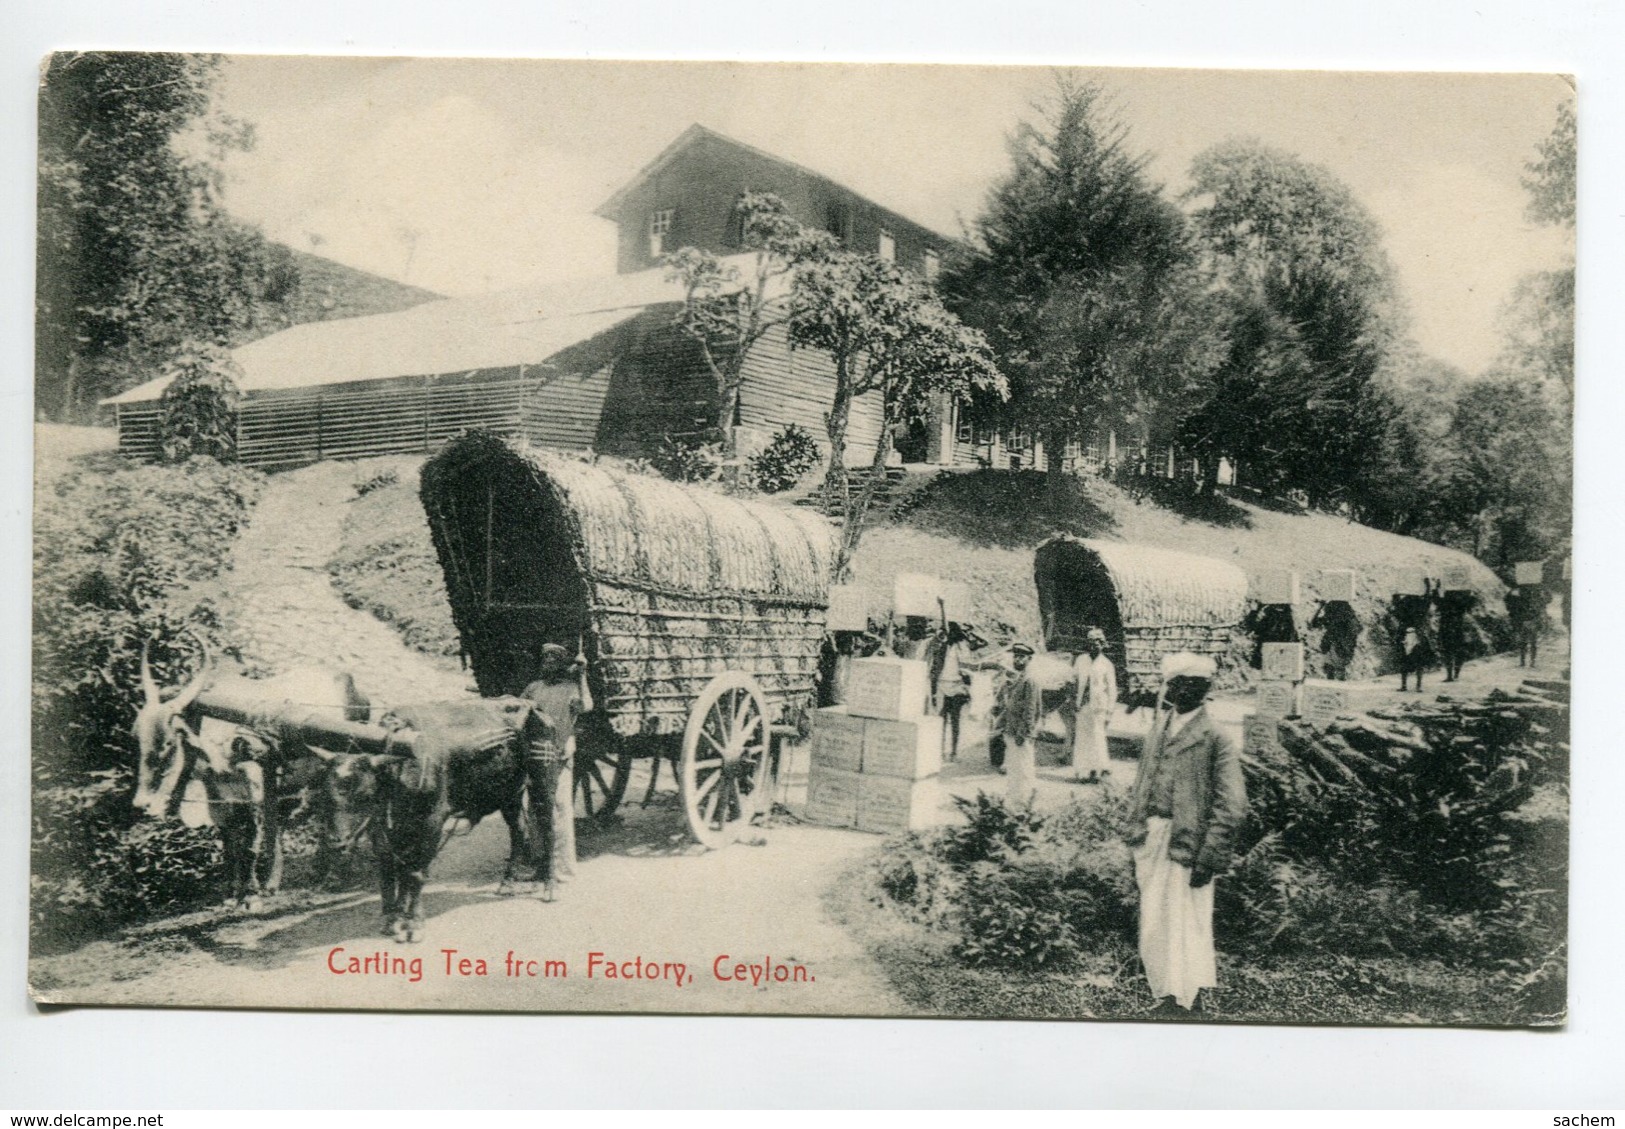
<point>644,896</point>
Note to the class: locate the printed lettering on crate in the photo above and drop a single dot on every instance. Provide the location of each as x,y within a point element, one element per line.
<point>1275,586</point>
<point>889,688</point>
<point>1261,734</point>
<point>1283,662</point>
<point>908,749</point>
<point>837,739</point>
<point>1324,700</point>
<point>848,608</point>
<point>1529,572</point>
<point>832,797</point>
<point>1336,584</point>
<point>1277,699</point>
<point>888,804</point>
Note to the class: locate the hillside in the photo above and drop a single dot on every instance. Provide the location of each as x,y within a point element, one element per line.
<point>978,527</point>
<point>981,527</point>
<point>307,288</point>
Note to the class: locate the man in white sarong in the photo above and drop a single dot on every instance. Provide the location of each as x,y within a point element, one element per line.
<point>1189,800</point>
<point>1096,695</point>
<point>1021,710</point>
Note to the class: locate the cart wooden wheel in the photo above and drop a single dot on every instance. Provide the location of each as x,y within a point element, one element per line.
<point>601,773</point>
<point>725,755</point>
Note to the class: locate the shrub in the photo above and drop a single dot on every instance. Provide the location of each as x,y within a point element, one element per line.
<point>1016,915</point>
<point>199,405</point>
<point>123,557</point>
<point>687,459</point>
<point>995,832</point>
<point>787,457</point>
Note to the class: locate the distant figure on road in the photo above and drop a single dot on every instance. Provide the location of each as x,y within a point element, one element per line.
<point>1526,608</point>
<point>1455,610</point>
<point>1411,650</point>
<point>1020,725</point>
<point>1096,695</point>
<point>1339,637</point>
<point>1188,802</point>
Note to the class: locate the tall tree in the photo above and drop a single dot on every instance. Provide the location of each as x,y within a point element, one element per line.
<point>889,336</point>
<point>726,310</point>
<point>1540,334</point>
<point>134,252</point>
<point>1083,277</point>
<point>1290,240</point>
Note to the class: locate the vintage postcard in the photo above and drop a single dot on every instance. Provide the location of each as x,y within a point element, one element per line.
<point>803,539</point>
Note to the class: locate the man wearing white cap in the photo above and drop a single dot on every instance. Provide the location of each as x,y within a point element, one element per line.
<point>1189,800</point>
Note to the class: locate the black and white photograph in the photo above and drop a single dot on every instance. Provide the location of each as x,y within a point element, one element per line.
<point>803,539</point>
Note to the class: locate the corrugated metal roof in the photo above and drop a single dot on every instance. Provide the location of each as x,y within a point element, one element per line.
<point>452,335</point>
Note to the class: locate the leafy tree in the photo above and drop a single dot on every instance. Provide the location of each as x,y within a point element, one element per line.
<point>1300,255</point>
<point>888,335</point>
<point>727,311</point>
<point>134,252</point>
<point>1083,277</point>
<point>198,410</point>
<point>1549,179</point>
<point>1506,475</point>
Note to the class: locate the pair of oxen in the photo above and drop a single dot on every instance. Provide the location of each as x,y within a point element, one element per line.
<point>417,777</point>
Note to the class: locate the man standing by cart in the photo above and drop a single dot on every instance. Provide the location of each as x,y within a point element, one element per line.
<point>1096,695</point>
<point>1188,802</point>
<point>560,692</point>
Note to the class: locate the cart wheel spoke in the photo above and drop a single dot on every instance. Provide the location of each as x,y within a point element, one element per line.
<point>601,775</point>
<point>725,748</point>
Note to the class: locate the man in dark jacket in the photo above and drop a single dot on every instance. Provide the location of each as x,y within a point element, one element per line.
<point>1188,802</point>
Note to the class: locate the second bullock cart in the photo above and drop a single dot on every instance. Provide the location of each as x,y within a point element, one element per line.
<point>700,616</point>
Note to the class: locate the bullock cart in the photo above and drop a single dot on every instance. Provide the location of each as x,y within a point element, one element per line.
<point>700,617</point>
<point>1150,603</point>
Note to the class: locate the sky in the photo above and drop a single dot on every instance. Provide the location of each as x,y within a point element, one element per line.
<point>465,175</point>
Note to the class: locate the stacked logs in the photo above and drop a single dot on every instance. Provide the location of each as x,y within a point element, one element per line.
<point>1522,735</point>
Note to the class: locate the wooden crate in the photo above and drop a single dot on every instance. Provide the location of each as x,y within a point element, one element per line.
<point>1283,662</point>
<point>1277,699</point>
<point>889,688</point>
<point>1529,572</point>
<point>1260,735</point>
<point>832,797</point>
<point>1456,578</point>
<point>916,594</point>
<point>848,608</point>
<point>1336,584</point>
<point>1410,582</point>
<point>1275,586</point>
<point>1323,701</point>
<point>837,740</point>
<point>909,750</point>
<point>887,804</point>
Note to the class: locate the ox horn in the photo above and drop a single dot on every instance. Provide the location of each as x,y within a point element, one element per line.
<point>187,696</point>
<point>149,686</point>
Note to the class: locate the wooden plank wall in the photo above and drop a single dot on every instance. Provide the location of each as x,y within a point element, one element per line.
<point>138,430</point>
<point>784,385</point>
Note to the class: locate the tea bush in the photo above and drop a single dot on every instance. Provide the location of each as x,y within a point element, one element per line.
<point>789,455</point>
<point>687,460</point>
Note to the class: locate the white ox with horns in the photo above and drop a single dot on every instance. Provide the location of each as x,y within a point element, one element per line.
<point>207,772</point>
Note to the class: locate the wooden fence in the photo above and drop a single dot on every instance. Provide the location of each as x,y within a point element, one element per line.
<point>298,426</point>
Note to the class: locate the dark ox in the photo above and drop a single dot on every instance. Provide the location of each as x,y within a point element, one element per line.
<point>468,759</point>
<point>241,780</point>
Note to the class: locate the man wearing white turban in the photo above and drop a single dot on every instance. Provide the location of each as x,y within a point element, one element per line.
<point>1189,799</point>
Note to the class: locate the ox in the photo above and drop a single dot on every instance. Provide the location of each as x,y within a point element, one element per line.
<point>208,772</point>
<point>468,759</point>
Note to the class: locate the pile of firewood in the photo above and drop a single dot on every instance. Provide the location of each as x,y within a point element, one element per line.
<point>1505,733</point>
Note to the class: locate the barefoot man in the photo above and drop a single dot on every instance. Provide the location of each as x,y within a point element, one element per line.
<point>1188,801</point>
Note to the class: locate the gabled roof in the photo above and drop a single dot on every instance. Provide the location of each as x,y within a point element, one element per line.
<point>610,209</point>
<point>452,335</point>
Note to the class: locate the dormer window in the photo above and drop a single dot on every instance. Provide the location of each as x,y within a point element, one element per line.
<point>888,247</point>
<point>660,230</point>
